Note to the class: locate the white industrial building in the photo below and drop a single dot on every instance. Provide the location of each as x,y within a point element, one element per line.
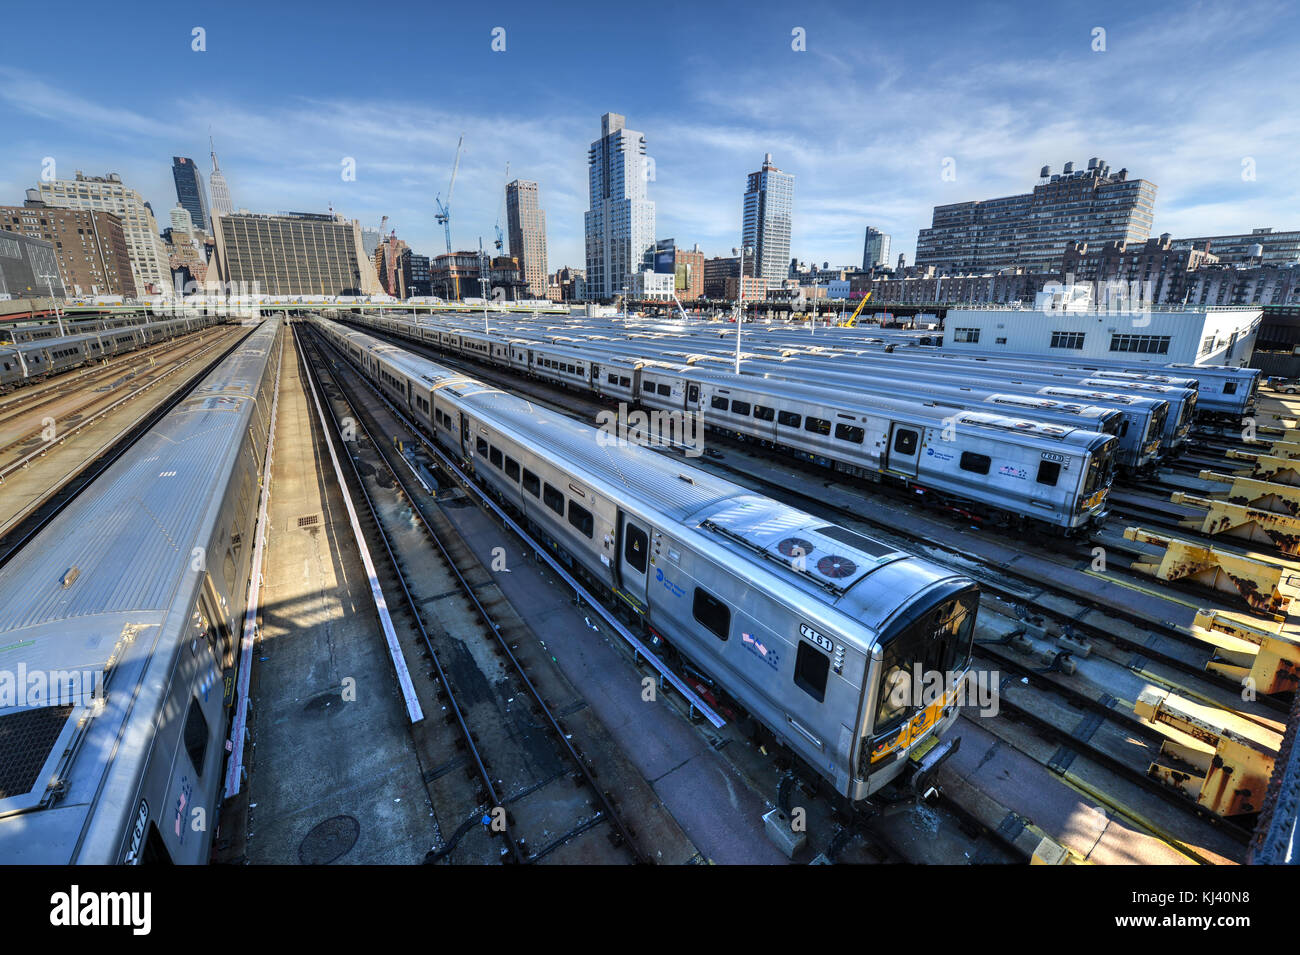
<point>647,285</point>
<point>1068,326</point>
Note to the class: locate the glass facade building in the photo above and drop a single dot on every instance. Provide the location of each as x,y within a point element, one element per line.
<point>765,227</point>
<point>190,192</point>
<point>619,225</point>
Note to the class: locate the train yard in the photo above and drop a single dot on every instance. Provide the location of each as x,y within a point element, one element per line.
<point>440,669</point>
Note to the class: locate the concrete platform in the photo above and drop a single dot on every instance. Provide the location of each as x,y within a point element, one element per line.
<point>318,760</point>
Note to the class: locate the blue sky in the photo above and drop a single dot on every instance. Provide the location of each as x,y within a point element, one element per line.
<point>864,117</point>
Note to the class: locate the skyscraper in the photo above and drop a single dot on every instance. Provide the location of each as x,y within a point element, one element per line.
<point>875,250</point>
<point>769,198</point>
<point>190,192</point>
<point>221,204</point>
<point>526,224</point>
<point>620,225</point>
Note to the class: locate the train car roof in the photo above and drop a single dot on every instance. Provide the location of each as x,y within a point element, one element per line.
<point>91,592</point>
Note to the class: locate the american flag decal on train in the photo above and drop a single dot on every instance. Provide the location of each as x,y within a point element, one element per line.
<point>754,645</point>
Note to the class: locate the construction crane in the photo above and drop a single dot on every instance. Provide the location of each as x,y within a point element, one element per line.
<point>500,242</point>
<point>853,319</point>
<point>444,212</point>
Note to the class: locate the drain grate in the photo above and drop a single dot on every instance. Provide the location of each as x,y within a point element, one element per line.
<point>329,840</point>
<point>309,520</point>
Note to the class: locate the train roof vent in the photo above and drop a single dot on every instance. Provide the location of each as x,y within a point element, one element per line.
<point>27,739</point>
<point>829,556</point>
<point>1014,424</point>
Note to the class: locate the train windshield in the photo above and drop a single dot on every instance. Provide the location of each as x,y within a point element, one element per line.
<point>1099,468</point>
<point>930,651</point>
<point>1158,421</point>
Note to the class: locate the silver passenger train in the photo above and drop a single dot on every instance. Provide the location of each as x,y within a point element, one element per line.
<point>119,620</point>
<point>935,370</point>
<point>814,630</point>
<point>1139,432</point>
<point>31,361</point>
<point>976,462</point>
<point>1225,392</point>
<point>1133,422</point>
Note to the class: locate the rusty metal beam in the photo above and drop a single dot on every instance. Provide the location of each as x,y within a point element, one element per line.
<point>1223,769</point>
<point>1223,518</point>
<point>1249,650</point>
<point>1264,467</point>
<point>1262,495</point>
<point>1258,582</point>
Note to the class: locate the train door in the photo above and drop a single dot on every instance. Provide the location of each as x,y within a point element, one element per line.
<point>634,559</point>
<point>904,449</point>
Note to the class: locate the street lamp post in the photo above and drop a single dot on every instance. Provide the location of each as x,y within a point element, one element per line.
<point>740,299</point>
<point>482,282</point>
<point>49,280</point>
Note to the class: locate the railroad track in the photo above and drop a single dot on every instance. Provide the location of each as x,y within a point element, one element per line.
<point>96,404</point>
<point>23,401</point>
<point>22,532</point>
<point>514,746</point>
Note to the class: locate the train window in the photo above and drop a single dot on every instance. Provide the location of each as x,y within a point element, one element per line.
<point>1229,387</point>
<point>512,469</point>
<point>553,499</point>
<point>613,379</point>
<point>693,393</point>
<point>741,408</point>
<point>905,441</point>
<point>811,667</point>
<point>788,418</point>
<point>1048,472</point>
<point>635,547</point>
<point>712,613</point>
<point>665,390</point>
<point>532,484</point>
<point>978,463</point>
<point>481,446</point>
<point>719,403</point>
<point>647,386</point>
<point>1123,428</point>
<point>763,413</point>
<point>817,425</point>
<point>580,518</point>
<point>625,382</point>
<point>850,432</point>
<point>494,455</point>
<point>196,735</point>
